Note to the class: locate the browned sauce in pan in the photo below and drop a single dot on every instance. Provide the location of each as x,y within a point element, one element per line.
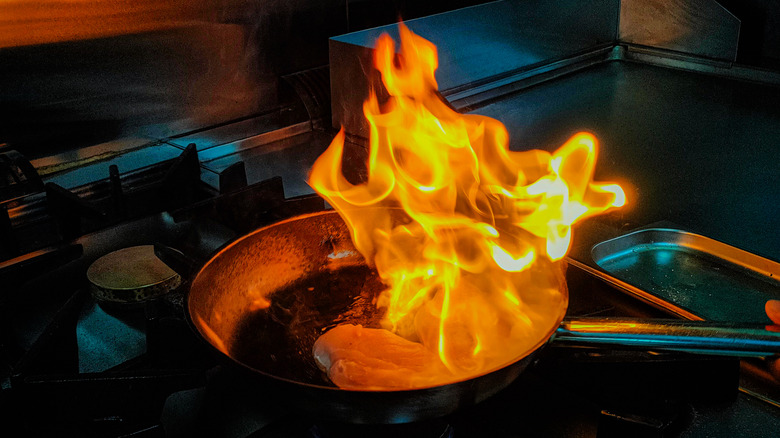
<point>278,340</point>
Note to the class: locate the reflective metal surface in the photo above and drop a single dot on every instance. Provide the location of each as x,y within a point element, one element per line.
<point>698,27</point>
<point>276,263</point>
<point>490,45</point>
<point>710,279</point>
<point>695,150</point>
<point>474,44</point>
<point>702,337</point>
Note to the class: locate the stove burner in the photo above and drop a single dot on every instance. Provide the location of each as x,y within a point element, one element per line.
<point>91,369</point>
<point>131,275</point>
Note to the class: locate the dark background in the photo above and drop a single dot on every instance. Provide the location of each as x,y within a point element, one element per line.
<point>175,67</point>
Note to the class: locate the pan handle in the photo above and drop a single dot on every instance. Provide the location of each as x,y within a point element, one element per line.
<point>702,337</point>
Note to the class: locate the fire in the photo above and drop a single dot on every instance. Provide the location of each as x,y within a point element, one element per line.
<point>467,234</point>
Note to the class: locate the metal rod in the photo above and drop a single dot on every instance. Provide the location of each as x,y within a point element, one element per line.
<point>701,337</point>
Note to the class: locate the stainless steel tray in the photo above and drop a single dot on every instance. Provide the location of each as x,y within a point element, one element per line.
<point>692,274</point>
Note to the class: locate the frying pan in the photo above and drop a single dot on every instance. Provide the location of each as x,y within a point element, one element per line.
<point>263,300</point>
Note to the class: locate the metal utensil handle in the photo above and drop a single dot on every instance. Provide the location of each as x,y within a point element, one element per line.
<point>703,337</point>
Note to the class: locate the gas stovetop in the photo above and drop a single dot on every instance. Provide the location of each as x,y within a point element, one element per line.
<point>692,132</point>
<point>75,366</point>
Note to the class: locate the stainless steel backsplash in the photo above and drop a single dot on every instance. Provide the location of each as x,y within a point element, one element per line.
<point>78,73</point>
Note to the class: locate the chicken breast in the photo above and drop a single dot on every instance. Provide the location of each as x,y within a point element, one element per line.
<point>356,357</point>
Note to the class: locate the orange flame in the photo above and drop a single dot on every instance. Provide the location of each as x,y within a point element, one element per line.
<point>472,270</point>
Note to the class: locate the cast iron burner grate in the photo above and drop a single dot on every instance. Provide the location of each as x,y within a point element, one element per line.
<point>45,389</point>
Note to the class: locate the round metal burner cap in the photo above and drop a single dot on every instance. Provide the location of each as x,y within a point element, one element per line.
<point>131,275</point>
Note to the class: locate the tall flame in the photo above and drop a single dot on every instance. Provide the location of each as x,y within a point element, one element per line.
<point>473,268</point>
